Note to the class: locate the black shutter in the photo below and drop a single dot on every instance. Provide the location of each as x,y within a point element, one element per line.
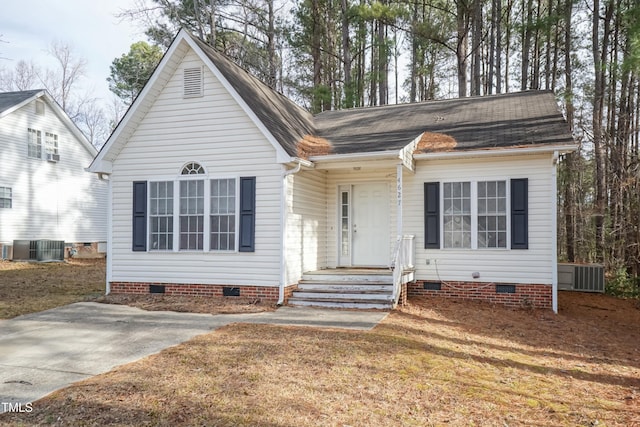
<point>247,214</point>
<point>139,237</point>
<point>432,215</point>
<point>519,214</point>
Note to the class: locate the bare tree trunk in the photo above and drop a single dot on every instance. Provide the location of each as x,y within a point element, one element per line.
<point>383,68</point>
<point>570,160</point>
<point>346,55</point>
<point>476,52</point>
<point>599,54</point>
<point>212,23</point>
<point>271,47</point>
<point>526,44</point>
<point>498,46</point>
<point>462,46</point>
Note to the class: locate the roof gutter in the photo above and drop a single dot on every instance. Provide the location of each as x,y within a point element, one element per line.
<point>375,155</point>
<point>550,149</point>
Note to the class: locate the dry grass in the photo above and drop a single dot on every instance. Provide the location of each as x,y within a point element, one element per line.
<point>435,362</point>
<point>158,302</point>
<point>29,287</point>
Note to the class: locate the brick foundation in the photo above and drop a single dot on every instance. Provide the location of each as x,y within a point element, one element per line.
<point>266,294</point>
<point>527,296</point>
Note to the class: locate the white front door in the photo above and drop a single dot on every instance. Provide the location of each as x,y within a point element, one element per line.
<point>370,225</point>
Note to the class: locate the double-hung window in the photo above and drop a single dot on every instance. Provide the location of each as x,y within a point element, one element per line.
<point>474,214</point>
<point>34,144</point>
<point>456,214</point>
<point>492,214</point>
<point>51,143</point>
<point>5,197</point>
<point>194,213</point>
<point>161,215</point>
<point>223,215</point>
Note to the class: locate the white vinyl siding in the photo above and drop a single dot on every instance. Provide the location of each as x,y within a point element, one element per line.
<point>533,265</point>
<point>214,131</point>
<point>306,207</point>
<point>58,201</point>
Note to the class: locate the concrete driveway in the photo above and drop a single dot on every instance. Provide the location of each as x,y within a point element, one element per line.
<point>46,351</point>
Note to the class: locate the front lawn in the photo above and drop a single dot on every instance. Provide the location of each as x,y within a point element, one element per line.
<point>434,362</point>
<point>28,287</point>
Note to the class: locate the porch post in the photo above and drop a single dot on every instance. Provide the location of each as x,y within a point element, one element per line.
<point>399,168</point>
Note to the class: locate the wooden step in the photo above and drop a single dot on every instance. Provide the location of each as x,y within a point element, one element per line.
<point>344,304</point>
<point>354,288</point>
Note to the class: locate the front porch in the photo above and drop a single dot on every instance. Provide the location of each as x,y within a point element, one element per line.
<point>359,288</point>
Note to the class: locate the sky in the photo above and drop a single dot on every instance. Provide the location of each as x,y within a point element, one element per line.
<point>89,27</point>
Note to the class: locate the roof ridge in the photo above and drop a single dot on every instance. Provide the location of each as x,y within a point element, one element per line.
<point>438,101</point>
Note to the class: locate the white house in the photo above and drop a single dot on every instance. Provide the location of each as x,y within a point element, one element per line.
<point>45,191</point>
<point>221,186</point>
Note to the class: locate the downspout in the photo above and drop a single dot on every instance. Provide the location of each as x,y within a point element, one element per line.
<point>283,227</point>
<point>109,274</point>
<point>554,227</point>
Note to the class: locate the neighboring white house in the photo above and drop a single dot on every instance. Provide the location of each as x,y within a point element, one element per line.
<point>45,191</point>
<point>221,186</point>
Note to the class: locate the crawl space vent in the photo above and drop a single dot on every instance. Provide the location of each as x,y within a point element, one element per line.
<point>432,286</point>
<point>505,289</point>
<point>230,292</point>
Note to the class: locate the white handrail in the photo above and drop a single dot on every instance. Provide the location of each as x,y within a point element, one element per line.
<point>403,260</point>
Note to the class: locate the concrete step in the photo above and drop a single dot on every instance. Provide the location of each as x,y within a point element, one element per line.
<point>344,304</point>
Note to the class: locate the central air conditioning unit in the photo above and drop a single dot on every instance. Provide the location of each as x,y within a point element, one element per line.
<point>38,250</point>
<point>54,158</point>
<point>581,277</point>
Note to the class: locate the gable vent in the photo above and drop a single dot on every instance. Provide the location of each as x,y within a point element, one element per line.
<point>40,108</point>
<point>193,82</point>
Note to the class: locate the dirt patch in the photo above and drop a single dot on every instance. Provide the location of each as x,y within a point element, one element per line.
<point>189,304</point>
<point>434,362</point>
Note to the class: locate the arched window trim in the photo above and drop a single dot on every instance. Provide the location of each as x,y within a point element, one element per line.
<point>193,169</point>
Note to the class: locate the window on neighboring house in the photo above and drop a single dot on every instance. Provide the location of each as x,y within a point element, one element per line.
<point>51,143</point>
<point>5,197</point>
<point>223,214</point>
<point>34,144</point>
<point>161,215</point>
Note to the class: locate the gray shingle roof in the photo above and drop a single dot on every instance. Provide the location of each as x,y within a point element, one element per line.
<point>483,122</point>
<point>286,121</point>
<point>10,99</point>
<point>498,121</point>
